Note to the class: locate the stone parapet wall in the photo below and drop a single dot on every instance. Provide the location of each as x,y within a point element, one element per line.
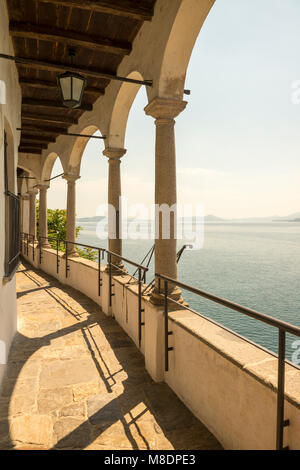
<point>227,382</point>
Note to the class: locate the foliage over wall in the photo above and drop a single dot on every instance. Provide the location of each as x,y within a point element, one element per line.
<point>57,223</point>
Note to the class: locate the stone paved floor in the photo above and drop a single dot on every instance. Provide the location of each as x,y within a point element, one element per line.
<point>76,380</point>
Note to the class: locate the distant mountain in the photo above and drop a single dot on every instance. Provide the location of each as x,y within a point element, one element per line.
<point>90,219</point>
<point>296,215</point>
<point>213,218</point>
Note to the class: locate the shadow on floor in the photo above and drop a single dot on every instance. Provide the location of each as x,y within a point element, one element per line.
<point>172,419</point>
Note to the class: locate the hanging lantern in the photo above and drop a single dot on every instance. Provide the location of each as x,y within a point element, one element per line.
<point>71,86</point>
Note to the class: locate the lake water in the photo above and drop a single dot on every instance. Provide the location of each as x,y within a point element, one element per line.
<point>255,265</point>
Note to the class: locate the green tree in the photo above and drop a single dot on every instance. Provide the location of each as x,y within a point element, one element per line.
<point>57,223</point>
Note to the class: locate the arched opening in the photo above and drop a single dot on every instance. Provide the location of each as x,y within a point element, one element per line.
<point>187,25</point>
<point>137,170</point>
<point>237,155</point>
<point>56,194</point>
<point>91,191</point>
<point>121,109</point>
<point>78,149</point>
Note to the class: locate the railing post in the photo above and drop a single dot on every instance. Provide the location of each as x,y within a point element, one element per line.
<point>110,278</point>
<point>40,248</point>
<point>280,392</point>
<point>99,272</point>
<point>33,250</point>
<point>57,257</point>
<point>140,306</point>
<point>66,257</point>
<point>167,332</point>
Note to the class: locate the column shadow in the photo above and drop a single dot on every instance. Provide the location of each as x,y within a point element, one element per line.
<point>169,416</point>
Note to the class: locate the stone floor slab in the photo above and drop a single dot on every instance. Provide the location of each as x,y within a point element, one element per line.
<point>75,380</point>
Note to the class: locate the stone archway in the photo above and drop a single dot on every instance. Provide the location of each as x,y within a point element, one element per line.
<point>120,112</point>
<point>183,35</point>
<point>48,165</point>
<point>74,161</point>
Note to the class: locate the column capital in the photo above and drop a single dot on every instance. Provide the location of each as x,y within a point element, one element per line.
<point>165,108</point>
<point>33,191</point>
<point>114,153</point>
<point>25,197</point>
<point>42,186</point>
<point>70,178</point>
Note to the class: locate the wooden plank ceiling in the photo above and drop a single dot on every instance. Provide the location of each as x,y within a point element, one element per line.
<point>101,32</point>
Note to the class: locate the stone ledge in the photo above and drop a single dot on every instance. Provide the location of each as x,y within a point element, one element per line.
<point>253,360</point>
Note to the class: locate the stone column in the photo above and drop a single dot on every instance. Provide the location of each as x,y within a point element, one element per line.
<point>43,219</point>
<point>32,211</point>
<point>114,156</point>
<point>71,213</point>
<point>164,111</point>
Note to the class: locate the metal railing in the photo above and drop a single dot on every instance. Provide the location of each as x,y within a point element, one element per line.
<point>114,267</point>
<point>283,328</point>
<point>25,240</point>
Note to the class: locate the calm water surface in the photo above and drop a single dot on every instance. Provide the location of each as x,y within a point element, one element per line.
<point>256,265</point>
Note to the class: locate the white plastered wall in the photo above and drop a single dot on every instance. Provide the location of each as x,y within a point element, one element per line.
<point>10,110</point>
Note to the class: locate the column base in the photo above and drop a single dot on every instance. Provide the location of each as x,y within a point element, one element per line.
<point>72,254</point>
<point>157,298</point>
<point>43,245</point>
<point>118,270</point>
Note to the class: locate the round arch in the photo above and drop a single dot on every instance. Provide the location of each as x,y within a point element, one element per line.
<point>74,162</point>
<point>48,166</point>
<point>185,30</point>
<point>119,116</point>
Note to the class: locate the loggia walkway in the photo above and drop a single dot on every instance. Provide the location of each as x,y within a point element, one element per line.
<point>75,380</point>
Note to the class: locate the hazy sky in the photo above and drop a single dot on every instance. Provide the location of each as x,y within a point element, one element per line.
<point>238,141</point>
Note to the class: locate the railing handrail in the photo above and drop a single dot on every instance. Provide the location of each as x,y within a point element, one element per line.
<point>110,255</point>
<point>133,263</point>
<point>283,328</point>
<point>282,325</point>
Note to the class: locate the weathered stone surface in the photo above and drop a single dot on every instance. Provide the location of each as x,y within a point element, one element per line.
<point>22,404</point>
<point>82,391</point>
<point>32,429</point>
<point>13,387</point>
<point>62,373</point>
<point>71,433</point>
<point>103,409</point>
<point>23,370</point>
<point>77,409</point>
<point>4,430</point>
<point>53,399</point>
<point>83,385</point>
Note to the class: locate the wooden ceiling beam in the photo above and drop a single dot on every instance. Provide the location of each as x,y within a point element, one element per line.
<point>123,8</point>
<point>62,120</point>
<point>29,150</point>
<point>40,130</point>
<point>36,83</point>
<point>69,38</point>
<point>33,145</point>
<point>37,138</point>
<point>54,132</point>
<point>54,104</point>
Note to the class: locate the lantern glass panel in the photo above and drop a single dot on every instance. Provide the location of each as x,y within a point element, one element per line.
<point>65,85</point>
<point>78,84</point>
